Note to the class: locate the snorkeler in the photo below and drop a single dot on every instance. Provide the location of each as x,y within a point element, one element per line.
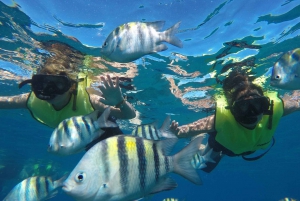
<point>245,119</point>
<point>59,91</point>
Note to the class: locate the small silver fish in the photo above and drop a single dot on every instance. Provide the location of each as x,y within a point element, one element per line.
<point>170,199</point>
<point>34,189</point>
<point>286,71</point>
<point>150,131</point>
<point>199,161</point>
<point>73,134</point>
<point>123,168</point>
<point>133,40</point>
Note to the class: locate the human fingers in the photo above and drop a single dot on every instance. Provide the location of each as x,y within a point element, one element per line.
<point>109,81</point>
<point>117,81</point>
<point>104,82</point>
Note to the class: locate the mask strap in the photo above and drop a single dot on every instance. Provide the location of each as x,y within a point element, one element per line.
<point>24,83</point>
<point>75,91</point>
<point>270,113</point>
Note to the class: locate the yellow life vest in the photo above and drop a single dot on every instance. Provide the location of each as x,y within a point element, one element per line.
<point>239,139</point>
<point>44,112</point>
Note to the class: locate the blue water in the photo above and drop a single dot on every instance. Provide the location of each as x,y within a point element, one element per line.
<point>206,28</point>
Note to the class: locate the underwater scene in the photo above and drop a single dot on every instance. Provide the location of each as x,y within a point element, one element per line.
<point>187,83</point>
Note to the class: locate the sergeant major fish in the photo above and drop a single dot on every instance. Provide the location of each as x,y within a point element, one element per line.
<point>34,189</point>
<point>150,131</point>
<point>73,134</point>
<point>199,161</point>
<point>286,71</point>
<point>133,40</point>
<point>128,168</point>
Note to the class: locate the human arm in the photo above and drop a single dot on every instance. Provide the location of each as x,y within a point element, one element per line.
<point>291,102</point>
<point>203,125</point>
<point>111,95</point>
<point>13,102</point>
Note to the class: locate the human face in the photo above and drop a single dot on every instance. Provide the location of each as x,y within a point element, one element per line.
<point>47,87</point>
<point>249,108</point>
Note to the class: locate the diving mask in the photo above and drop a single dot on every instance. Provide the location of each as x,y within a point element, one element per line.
<point>247,111</point>
<point>47,87</point>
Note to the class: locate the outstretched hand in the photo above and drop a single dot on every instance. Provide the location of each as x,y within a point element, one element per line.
<point>111,93</point>
<point>174,127</point>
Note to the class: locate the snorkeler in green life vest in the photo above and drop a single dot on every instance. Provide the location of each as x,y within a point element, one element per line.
<point>59,91</point>
<point>245,120</point>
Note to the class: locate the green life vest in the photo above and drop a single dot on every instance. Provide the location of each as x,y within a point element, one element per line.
<point>239,139</point>
<point>44,112</point>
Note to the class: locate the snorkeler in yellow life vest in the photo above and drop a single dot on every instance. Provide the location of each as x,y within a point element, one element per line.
<point>44,112</point>
<point>245,120</point>
<point>238,139</point>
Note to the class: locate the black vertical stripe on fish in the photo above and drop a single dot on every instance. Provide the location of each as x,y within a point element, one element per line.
<point>150,36</point>
<point>47,186</point>
<point>151,133</point>
<point>156,162</point>
<point>167,165</point>
<point>104,156</point>
<point>39,186</point>
<point>78,129</point>
<point>140,34</point>
<point>123,159</point>
<point>157,134</point>
<point>66,129</point>
<point>296,56</point>
<point>117,31</point>
<point>144,132</point>
<point>142,162</point>
<point>195,159</point>
<point>87,125</point>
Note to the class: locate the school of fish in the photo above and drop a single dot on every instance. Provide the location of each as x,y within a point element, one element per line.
<point>136,166</point>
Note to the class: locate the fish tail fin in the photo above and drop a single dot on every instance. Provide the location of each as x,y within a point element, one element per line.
<point>165,129</point>
<point>103,120</point>
<point>169,35</point>
<point>208,158</point>
<point>58,183</point>
<point>182,161</point>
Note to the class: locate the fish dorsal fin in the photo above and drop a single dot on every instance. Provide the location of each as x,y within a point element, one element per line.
<point>166,145</point>
<point>103,119</point>
<point>93,115</point>
<point>157,25</point>
<point>165,184</point>
<point>165,129</point>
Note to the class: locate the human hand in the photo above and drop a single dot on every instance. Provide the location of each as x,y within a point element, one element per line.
<point>174,127</point>
<point>111,94</point>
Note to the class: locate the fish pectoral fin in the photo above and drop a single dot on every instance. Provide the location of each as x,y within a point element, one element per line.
<point>160,47</point>
<point>164,184</point>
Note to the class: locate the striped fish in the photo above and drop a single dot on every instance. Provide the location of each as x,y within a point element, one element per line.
<point>199,161</point>
<point>150,131</point>
<point>128,168</point>
<point>34,189</point>
<point>73,134</point>
<point>133,40</point>
<point>170,199</point>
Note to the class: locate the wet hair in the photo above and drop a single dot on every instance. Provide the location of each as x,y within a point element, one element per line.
<point>237,81</point>
<point>62,60</point>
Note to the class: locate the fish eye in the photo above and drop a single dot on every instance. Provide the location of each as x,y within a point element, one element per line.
<point>80,177</point>
<point>277,77</point>
<point>105,44</point>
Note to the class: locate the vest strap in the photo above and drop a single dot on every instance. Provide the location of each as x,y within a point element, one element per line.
<point>258,157</point>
